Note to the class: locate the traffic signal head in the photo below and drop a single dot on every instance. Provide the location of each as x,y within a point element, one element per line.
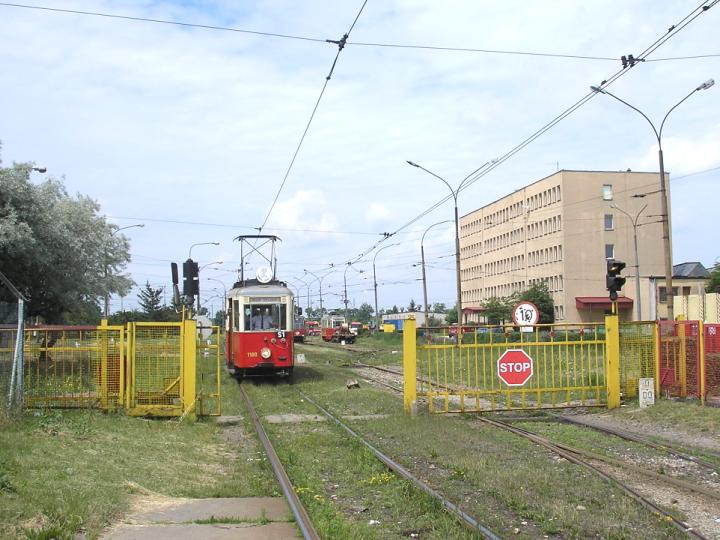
<point>614,280</point>
<point>191,279</point>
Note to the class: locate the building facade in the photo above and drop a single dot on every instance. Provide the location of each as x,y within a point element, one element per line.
<point>561,230</point>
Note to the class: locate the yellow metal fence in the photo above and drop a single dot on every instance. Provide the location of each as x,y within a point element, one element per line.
<point>149,369</point>
<point>549,366</point>
<point>564,366</point>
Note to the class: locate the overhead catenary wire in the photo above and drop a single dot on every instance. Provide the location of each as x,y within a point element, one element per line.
<point>131,18</point>
<point>341,45</point>
<point>670,33</point>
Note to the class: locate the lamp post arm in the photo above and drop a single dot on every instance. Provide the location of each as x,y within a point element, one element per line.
<point>657,135</point>
<point>662,124</point>
<point>472,174</point>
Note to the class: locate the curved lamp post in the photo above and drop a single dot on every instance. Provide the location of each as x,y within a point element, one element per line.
<point>422,262</point>
<point>319,279</point>
<point>667,242</point>
<point>377,313</point>
<point>107,295</point>
<point>634,221</point>
<point>345,298</point>
<point>454,193</point>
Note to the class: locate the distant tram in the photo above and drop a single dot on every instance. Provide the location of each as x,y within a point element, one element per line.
<point>259,319</point>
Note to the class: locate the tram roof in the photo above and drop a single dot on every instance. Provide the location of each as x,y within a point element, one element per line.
<point>254,288</point>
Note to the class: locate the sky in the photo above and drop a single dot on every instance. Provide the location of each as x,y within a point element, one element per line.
<point>194,132</point>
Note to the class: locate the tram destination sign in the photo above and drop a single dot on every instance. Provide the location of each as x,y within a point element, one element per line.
<point>515,367</point>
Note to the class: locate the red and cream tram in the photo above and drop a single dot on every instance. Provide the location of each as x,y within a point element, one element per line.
<point>259,322</point>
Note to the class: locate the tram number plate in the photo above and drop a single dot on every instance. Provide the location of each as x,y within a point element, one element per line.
<point>280,334</point>
<point>252,355</point>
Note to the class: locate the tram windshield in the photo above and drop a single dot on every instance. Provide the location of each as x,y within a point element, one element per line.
<point>264,316</point>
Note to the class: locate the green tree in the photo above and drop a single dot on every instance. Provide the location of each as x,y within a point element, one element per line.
<point>713,285</point>
<point>451,315</point>
<point>219,318</point>
<point>539,295</point>
<point>438,307</point>
<point>150,301</point>
<point>56,249</point>
<point>412,306</point>
<point>364,313</point>
<point>498,310</point>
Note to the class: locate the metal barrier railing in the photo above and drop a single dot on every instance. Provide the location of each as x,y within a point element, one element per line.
<point>550,366</point>
<point>210,344</point>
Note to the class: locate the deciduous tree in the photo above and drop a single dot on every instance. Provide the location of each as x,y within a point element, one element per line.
<point>56,248</point>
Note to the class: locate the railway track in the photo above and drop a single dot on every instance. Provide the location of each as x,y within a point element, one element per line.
<point>585,459</point>
<point>303,519</point>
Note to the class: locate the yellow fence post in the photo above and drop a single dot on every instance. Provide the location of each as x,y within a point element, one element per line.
<point>701,361</point>
<point>656,357</point>
<point>612,360</point>
<point>189,351</point>
<point>409,364</point>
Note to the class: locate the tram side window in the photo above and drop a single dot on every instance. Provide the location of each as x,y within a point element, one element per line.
<point>236,315</point>
<point>265,317</point>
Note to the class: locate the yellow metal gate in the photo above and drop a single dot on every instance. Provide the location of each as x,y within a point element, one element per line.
<point>210,345</point>
<point>161,378</point>
<point>551,366</point>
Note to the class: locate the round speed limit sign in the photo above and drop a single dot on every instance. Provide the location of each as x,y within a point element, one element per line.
<point>526,314</point>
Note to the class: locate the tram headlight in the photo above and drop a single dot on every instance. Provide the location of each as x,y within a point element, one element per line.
<point>265,353</point>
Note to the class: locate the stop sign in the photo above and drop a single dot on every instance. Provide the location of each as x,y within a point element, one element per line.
<point>515,367</point>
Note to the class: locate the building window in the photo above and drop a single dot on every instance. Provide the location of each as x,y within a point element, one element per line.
<point>663,294</point>
<point>609,224</point>
<point>609,251</point>
<point>607,192</point>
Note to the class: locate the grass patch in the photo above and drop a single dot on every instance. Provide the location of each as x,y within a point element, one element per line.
<point>66,471</point>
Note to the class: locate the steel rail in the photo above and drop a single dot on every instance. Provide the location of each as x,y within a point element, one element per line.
<point>641,440</point>
<point>401,471</point>
<point>573,458</point>
<point>301,516</point>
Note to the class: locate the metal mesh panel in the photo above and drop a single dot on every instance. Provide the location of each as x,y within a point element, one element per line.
<point>7,351</point>
<point>210,343</point>
<point>637,355</point>
<point>568,369</point>
<point>73,366</point>
<point>157,364</point>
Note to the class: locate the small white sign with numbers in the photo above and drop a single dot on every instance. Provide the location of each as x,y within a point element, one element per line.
<point>646,392</point>
<point>526,314</point>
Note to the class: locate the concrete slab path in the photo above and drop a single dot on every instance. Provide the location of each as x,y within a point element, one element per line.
<point>249,518</point>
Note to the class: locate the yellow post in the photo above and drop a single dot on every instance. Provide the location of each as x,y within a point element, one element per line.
<point>682,361</point>
<point>701,361</point>
<point>409,364</point>
<point>189,351</point>
<point>612,360</point>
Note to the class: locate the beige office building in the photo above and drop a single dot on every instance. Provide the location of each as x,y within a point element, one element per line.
<point>561,230</point>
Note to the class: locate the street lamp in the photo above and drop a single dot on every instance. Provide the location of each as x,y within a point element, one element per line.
<point>307,285</point>
<point>201,244</point>
<point>107,294</point>
<point>319,279</point>
<point>634,221</point>
<point>377,313</point>
<point>667,243</point>
<point>345,300</point>
<point>422,262</point>
<point>454,194</point>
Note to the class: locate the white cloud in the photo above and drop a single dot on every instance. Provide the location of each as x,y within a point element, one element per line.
<point>377,212</point>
